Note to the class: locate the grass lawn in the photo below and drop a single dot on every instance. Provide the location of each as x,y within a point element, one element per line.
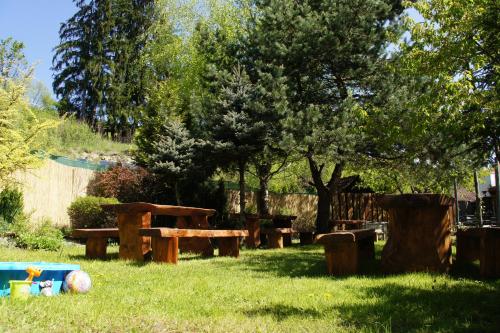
<point>262,291</point>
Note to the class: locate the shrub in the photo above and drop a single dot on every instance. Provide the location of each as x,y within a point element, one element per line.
<point>86,212</point>
<point>42,237</point>
<point>11,204</point>
<point>125,184</point>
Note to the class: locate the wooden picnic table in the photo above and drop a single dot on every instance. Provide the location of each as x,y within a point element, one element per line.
<point>349,224</point>
<point>136,215</point>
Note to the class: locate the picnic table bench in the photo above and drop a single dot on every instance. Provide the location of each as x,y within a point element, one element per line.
<point>136,215</point>
<point>165,241</point>
<point>346,250</point>
<point>96,240</point>
<point>253,226</point>
<point>481,243</point>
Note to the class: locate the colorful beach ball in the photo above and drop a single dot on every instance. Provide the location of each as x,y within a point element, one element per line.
<point>77,282</point>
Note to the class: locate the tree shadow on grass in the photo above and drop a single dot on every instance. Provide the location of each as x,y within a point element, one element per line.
<point>467,307</point>
<point>286,264</point>
<point>281,312</point>
<point>109,257</point>
<point>297,261</point>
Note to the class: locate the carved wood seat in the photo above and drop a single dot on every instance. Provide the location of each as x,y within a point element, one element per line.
<point>346,250</point>
<point>96,240</point>
<point>275,236</point>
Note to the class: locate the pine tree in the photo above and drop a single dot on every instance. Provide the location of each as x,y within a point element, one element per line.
<point>330,52</point>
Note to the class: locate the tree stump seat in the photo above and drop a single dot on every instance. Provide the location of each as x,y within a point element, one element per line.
<point>165,241</point>
<point>345,251</point>
<point>96,240</point>
<point>275,236</point>
<point>483,244</point>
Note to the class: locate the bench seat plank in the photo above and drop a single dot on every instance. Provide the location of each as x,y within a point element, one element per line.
<point>174,232</point>
<point>344,236</point>
<point>96,233</point>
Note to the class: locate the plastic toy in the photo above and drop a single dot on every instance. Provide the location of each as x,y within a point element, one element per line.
<point>77,282</point>
<point>33,272</point>
<point>46,288</point>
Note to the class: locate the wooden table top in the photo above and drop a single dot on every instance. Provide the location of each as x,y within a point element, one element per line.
<point>139,207</point>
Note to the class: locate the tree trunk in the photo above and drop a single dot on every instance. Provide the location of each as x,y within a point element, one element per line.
<point>241,169</point>
<point>497,183</point>
<point>263,172</point>
<point>323,211</point>
<point>325,193</point>
<point>177,194</point>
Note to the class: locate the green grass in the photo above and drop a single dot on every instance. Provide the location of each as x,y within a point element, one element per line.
<point>262,291</point>
<point>73,137</point>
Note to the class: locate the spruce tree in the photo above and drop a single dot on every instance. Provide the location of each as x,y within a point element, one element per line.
<point>99,77</point>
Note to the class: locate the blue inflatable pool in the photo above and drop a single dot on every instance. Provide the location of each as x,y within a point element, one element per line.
<point>17,271</point>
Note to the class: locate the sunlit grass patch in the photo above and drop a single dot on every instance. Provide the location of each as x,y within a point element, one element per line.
<point>264,290</point>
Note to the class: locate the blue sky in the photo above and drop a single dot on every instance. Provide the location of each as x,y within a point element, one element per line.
<point>36,24</point>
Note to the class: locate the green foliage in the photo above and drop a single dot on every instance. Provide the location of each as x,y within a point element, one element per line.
<point>19,126</point>
<point>456,47</point>
<point>43,236</point>
<point>86,212</point>
<point>11,204</point>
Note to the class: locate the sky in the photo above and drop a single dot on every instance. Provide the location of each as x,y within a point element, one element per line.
<point>36,24</point>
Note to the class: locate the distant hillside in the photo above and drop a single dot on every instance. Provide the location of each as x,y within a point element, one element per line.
<point>75,139</point>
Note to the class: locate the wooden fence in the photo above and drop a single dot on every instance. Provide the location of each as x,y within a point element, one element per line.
<point>357,206</point>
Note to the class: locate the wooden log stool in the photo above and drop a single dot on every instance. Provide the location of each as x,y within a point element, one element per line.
<point>96,240</point>
<point>165,241</point>
<point>345,251</point>
<point>284,221</point>
<point>275,236</point>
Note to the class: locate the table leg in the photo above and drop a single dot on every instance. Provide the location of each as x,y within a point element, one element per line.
<point>229,246</point>
<point>133,246</point>
<point>165,249</point>
<point>95,248</point>
<point>275,240</point>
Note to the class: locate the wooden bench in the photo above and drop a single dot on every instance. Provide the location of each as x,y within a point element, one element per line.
<point>275,236</point>
<point>96,240</point>
<point>483,244</point>
<point>346,250</point>
<point>165,241</point>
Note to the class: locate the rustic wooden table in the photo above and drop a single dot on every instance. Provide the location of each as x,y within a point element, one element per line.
<point>136,215</point>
